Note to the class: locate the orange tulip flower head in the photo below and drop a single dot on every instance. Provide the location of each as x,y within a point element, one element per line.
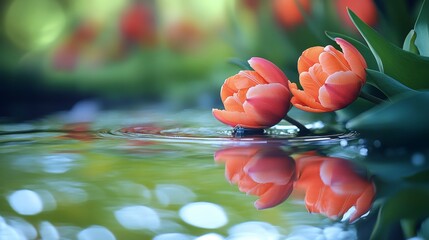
<point>266,172</point>
<point>331,79</point>
<point>257,98</point>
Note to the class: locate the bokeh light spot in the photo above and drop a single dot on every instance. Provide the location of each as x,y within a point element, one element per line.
<point>204,215</point>
<point>32,25</point>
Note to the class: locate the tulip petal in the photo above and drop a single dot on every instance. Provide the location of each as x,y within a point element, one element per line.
<point>232,153</point>
<point>340,89</point>
<point>274,196</point>
<point>333,61</point>
<point>267,104</point>
<point>235,119</point>
<point>312,196</point>
<point>255,77</point>
<point>274,167</point>
<point>335,205</point>
<point>308,58</point>
<point>304,101</point>
<point>242,80</point>
<point>339,175</point>
<point>363,203</point>
<point>356,61</point>
<point>226,91</point>
<point>234,169</point>
<point>233,103</point>
<point>268,70</point>
<point>239,82</point>
<point>313,80</point>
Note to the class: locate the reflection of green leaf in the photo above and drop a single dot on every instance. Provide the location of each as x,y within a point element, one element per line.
<point>362,48</point>
<point>424,230</point>
<point>396,168</point>
<point>421,176</point>
<point>422,30</point>
<point>409,43</point>
<point>401,206</point>
<point>404,120</point>
<point>408,68</point>
<point>389,86</point>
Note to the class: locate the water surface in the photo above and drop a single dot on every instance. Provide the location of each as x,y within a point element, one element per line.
<point>153,175</point>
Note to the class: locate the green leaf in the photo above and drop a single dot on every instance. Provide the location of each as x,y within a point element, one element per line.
<point>408,68</point>
<point>422,30</point>
<point>362,48</point>
<point>389,86</point>
<point>401,206</point>
<point>403,121</point>
<point>243,65</point>
<point>409,43</point>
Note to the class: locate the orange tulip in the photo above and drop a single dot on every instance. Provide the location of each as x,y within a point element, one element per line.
<point>288,12</point>
<point>332,186</point>
<point>255,99</point>
<point>364,9</point>
<point>331,79</point>
<point>267,172</point>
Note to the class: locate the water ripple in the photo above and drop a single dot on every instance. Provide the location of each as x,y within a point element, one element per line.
<point>284,135</point>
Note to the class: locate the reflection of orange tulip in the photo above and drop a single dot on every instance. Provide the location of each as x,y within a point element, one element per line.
<point>364,9</point>
<point>331,79</point>
<point>267,172</point>
<point>255,99</point>
<point>288,12</point>
<point>332,186</point>
<point>79,131</point>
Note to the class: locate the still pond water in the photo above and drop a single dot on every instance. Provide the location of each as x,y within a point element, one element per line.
<point>153,175</point>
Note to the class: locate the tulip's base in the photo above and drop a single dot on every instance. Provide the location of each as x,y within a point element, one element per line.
<point>241,132</point>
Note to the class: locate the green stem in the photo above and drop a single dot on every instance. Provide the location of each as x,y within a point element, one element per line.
<point>371,98</point>
<point>302,129</point>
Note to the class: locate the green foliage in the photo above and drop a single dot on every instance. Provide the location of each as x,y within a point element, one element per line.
<point>409,43</point>
<point>401,207</point>
<point>406,67</point>
<point>401,121</point>
<point>389,86</point>
<point>422,30</point>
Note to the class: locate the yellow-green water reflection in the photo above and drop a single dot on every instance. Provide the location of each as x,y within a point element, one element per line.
<point>101,181</point>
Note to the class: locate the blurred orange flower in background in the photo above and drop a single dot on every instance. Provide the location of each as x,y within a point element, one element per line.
<point>67,55</point>
<point>266,172</point>
<point>366,10</point>
<point>255,99</point>
<point>331,80</point>
<point>184,35</point>
<point>137,24</point>
<point>332,186</point>
<point>288,12</point>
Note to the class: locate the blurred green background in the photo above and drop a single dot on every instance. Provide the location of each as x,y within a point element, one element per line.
<point>132,53</point>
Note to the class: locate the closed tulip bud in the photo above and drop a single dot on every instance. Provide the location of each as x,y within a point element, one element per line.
<point>331,79</point>
<point>257,98</point>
